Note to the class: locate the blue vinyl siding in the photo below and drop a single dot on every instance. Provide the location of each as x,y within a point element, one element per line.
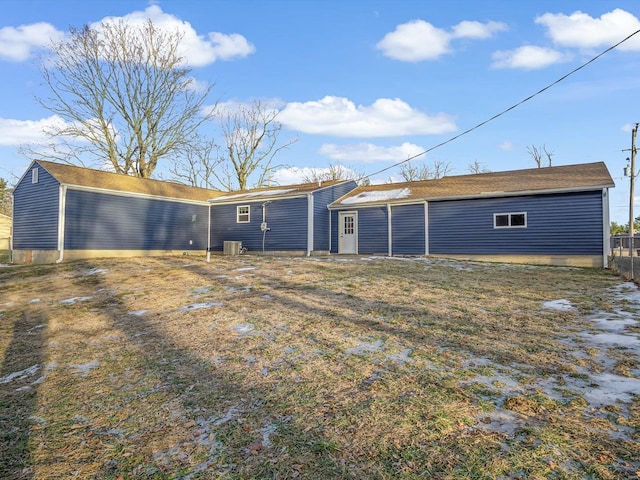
<point>98,221</point>
<point>407,229</point>
<point>287,219</point>
<point>372,231</point>
<point>559,224</point>
<point>36,211</point>
<point>321,199</point>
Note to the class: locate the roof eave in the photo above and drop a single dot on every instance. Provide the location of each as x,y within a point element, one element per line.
<point>336,205</point>
<point>263,198</point>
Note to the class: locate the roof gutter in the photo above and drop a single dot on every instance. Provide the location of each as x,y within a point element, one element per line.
<point>255,199</point>
<point>61,210</point>
<point>519,193</point>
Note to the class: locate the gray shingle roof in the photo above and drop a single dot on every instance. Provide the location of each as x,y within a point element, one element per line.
<point>86,177</point>
<point>587,176</point>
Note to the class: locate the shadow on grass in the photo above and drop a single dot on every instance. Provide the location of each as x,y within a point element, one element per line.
<point>21,367</point>
<point>223,413</point>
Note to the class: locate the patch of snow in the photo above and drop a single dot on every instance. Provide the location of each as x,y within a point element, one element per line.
<point>365,347</point>
<point>618,339</point>
<point>96,271</point>
<point>232,413</point>
<point>138,313</point>
<point>242,328</point>
<point>610,388</point>
<point>72,301</point>
<point>607,323</point>
<point>35,300</point>
<point>402,357</point>
<point>244,269</point>
<point>561,305</point>
<point>198,306</point>
<point>377,196</point>
<point>501,420</point>
<point>19,375</point>
<point>280,191</point>
<point>266,432</point>
<point>85,368</point>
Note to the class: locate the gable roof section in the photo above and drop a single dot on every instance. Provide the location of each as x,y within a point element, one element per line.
<point>587,176</point>
<point>272,193</point>
<point>98,179</point>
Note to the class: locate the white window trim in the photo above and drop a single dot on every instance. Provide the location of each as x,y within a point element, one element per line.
<point>509,214</point>
<point>34,175</point>
<point>248,214</point>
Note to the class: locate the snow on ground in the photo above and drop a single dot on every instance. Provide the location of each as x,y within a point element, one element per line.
<point>85,368</point>
<point>562,305</point>
<point>74,300</point>
<point>27,372</point>
<point>198,306</point>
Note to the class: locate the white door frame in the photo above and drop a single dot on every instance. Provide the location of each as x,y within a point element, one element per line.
<point>341,233</point>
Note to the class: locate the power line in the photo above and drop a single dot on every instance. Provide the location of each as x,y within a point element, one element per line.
<point>506,110</point>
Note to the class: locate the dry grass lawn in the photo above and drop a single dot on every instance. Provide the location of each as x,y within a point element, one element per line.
<point>252,367</point>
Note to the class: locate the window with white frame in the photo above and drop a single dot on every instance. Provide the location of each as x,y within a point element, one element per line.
<point>243,214</point>
<point>34,175</point>
<point>510,220</point>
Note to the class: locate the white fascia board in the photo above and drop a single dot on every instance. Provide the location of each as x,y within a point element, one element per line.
<point>519,193</point>
<point>124,193</point>
<point>334,206</point>
<point>28,170</point>
<point>237,201</point>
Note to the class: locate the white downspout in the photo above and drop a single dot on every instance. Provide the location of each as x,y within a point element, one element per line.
<point>330,232</point>
<point>61,213</point>
<point>310,224</point>
<point>209,236</point>
<point>389,232</point>
<point>606,228</point>
<point>426,228</point>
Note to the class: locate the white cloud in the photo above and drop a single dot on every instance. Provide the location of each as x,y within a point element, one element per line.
<point>340,117</point>
<point>418,40</point>
<point>198,50</point>
<point>473,29</point>
<point>18,44</point>
<point>580,30</point>
<point>295,175</point>
<point>507,146</point>
<point>415,41</point>
<point>18,132</point>
<point>529,57</point>
<point>369,153</point>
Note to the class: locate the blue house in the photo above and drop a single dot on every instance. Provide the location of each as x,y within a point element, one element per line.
<point>63,212</point>
<point>292,219</point>
<point>555,215</point>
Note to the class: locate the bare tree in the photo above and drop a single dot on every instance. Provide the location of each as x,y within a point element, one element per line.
<point>536,155</point>
<point>124,96</point>
<point>5,198</point>
<point>477,167</point>
<point>414,173</point>
<point>199,165</point>
<point>251,141</point>
<point>335,171</point>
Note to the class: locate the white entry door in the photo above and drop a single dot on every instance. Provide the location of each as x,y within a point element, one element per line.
<point>348,232</point>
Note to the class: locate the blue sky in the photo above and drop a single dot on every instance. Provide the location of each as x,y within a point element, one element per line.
<point>369,83</point>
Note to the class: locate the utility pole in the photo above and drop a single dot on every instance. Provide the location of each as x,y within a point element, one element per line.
<point>632,175</point>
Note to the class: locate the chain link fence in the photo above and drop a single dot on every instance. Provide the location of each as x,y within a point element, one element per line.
<point>623,259</point>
